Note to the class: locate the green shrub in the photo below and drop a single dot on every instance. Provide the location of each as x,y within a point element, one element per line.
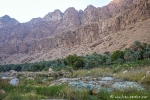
<point>75,61</point>
<point>104,94</point>
<point>117,55</point>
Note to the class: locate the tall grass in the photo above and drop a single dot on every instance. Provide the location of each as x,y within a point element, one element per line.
<point>124,95</point>
<point>37,89</point>
<point>95,72</point>
<point>71,93</point>
<point>24,91</point>
<point>51,92</point>
<point>137,74</point>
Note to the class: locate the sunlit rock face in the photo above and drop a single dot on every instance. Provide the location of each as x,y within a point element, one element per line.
<point>53,16</point>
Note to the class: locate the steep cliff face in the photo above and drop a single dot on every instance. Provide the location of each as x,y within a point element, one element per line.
<point>70,20</point>
<point>137,12</point>
<point>58,34</point>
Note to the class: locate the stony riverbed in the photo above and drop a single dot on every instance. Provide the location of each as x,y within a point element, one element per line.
<point>96,84</point>
<point>92,84</point>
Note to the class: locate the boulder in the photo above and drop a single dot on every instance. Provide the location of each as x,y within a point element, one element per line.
<point>14,81</point>
<point>2,92</point>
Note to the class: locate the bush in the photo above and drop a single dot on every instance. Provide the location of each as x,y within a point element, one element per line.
<point>117,55</point>
<point>37,67</point>
<point>75,61</point>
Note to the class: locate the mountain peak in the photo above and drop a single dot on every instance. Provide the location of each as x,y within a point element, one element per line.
<point>6,18</point>
<point>90,7</point>
<point>53,16</point>
<point>7,21</point>
<point>35,20</point>
<point>70,11</point>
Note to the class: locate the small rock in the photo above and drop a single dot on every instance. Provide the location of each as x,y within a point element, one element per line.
<point>124,72</point>
<point>99,78</point>
<point>30,78</point>
<point>7,77</point>
<point>93,79</point>
<point>2,92</point>
<point>114,74</point>
<point>143,78</point>
<point>12,71</point>
<point>86,79</point>
<point>93,92</point>
<point>147,73</point>
<point>107,79</point>
<point>50,70</point>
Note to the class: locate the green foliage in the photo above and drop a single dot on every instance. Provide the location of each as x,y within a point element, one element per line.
<point>13,97</point>
<point>117,55</point>
<point>75,61</point>
<point>96,60</point>
<point>37,67</point>
<point>127,94</point>
<point>52,91</point>
<point>136,46</point>
<point>104,94</point>
<point>146,80</point>
<point>70,69</point>
<point>18,68</point>
<point>146,52</point>
<point>71,93</point>
<point>137,51</point>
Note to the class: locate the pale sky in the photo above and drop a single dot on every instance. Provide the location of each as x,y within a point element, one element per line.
<point>25,10</point>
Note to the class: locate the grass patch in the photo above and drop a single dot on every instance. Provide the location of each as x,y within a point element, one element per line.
<point>95,72</point>
<point>135,74</point>
<point>71,93</point>
<point>38,89</point>
<point>52,92</point>
<point>124,95</point>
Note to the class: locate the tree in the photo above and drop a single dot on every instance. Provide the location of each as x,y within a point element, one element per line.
<point>74,61</point>
<point>17,68</point>
<point>128,55</point>
<point>116,55</point>
<point>136,46</point>
<point>37,67</point>
<point>146,53</point>
<point>137,55</point>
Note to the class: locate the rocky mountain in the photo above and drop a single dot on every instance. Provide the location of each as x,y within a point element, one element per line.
<point>56,35</point>
<point>6,21</point>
